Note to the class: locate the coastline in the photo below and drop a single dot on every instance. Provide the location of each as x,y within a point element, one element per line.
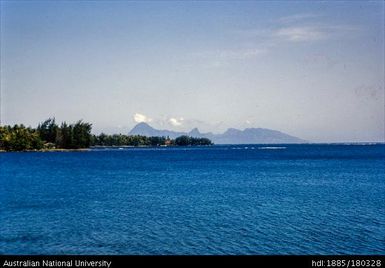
<point>48,150</point>
<point>166,146</point>
<point>96,147</point>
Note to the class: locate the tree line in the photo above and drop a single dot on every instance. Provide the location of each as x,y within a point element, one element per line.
<point>138,140</point>
<point>49,135</point>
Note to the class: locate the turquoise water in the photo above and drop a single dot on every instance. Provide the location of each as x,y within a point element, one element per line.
<point>236,199</point>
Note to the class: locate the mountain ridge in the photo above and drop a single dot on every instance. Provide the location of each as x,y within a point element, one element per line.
<point>230,136</point>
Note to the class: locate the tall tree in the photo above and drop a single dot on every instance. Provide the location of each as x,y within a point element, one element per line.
<point>48,130</point>
<point>81,134</point>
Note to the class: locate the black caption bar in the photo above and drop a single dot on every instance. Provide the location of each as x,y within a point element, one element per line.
<point>107,261</point>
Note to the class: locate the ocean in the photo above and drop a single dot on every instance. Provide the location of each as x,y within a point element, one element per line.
<point>230,199</point>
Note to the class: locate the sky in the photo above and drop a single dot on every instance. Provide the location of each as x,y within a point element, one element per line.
<point>311,69</point>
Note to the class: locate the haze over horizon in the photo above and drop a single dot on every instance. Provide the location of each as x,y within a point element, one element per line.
<point>314,70</point>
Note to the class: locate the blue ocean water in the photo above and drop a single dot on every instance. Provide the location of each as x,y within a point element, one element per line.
<point>235,199</point>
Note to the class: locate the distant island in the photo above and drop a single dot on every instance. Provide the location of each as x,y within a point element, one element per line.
<point>49,136</point>
<point>230,136</point>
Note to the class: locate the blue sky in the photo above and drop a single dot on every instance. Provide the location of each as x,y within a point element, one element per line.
<point>311,69</point>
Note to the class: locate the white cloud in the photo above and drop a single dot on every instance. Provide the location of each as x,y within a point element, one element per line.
<point>301,27</point>
<point>176,122</point>
<point>138,118</point>
<point>301,33</point>
<point>313,32</point>
<point>296,28</point>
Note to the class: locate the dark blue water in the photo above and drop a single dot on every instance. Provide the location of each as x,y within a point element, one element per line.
<point>298,199</point>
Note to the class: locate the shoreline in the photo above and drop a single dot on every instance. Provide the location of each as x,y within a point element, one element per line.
<point>168,146</point>
<point>47,150</point>
<point>95,147</point>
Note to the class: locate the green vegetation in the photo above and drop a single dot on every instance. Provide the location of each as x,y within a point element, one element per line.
<point>127,140</point>
<point>19,138</point>
<point>49,136</point>
<point>137,140</point>
<point>187,141</point>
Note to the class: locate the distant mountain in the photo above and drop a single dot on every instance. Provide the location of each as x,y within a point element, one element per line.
<point>255,135</point>
<point>146,130</point>
<point>230,136</point>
